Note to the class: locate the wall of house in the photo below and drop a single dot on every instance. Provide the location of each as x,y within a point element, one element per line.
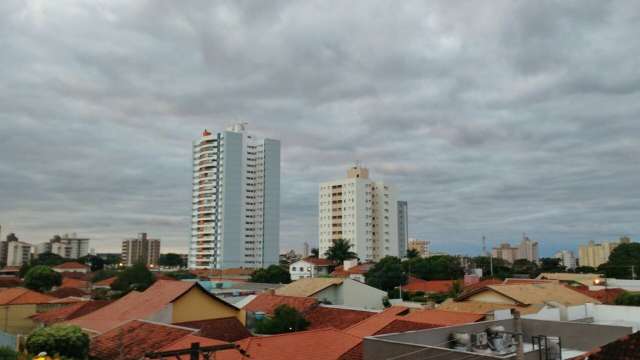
<point>14,319</point>
<point>491,297</point>
<point>357,294</point>
<point>197,305</point>
<point>331,295</point>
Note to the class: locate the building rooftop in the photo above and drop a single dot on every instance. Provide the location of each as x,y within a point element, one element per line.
<point>317,261</point>
<point>442,317</point>
<point>64,292</point>
<point>227,329</point>
<point>532,294</point>
<point>321,317</point>
<point>415,284</point>
<point>68,312</point>
<point>71,265</point>
<point>625,348</point>
<point>478,307</point>
<point>22,296</point>
<point>267,303</point>
<point>308,286</point>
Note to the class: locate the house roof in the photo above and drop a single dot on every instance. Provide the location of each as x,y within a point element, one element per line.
<point>268,303</point>
<point>316,261</point>
<point>625,348</point>
<point>186,341</point>
<point>68,312</point>
<point>360,269</point>
<point>585,279</point>
<point>442,317</point>
<point>106,282</point>
<point>131,340</point>
<point>321,317</point>
<point>322,344</point>
<point>9,281</point>
<point>482,283</point>
<point>64,292</point>
<point>516,281</point>
<point>22,296</point>
<point>308,286</point>
<point>433,286</point>
<point>74,283</point>
<point>397,326</point>
<point>605,296</point>
<point>225,329</point>
<point>72,265</point>
<point>477,307</point>
<point>373,324</point>
<point>138,305</point>
<point>529,294</point>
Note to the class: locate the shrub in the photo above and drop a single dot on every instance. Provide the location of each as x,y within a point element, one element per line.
<point>42,278</point>
<point>285,319</point>
<point>59,340</point>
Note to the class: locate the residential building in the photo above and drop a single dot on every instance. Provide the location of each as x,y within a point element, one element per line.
<point>352,270</point>
<point>72,267</point>
<point>494,340</point>
<point>336,291</point>
<point>567,259</point>
<point>421,246</point>
<point>585,279</point>
<point>527,249</point>
<point>236,200</point>
<point>595,255</point>
<point>68,312</point>
<point>140,250</point>
<point>18,253</point>
<point>166,301</point>
<point>310,267</point>
<point>415,284</point>
<point>403,228</point>
<point>17,305</point>
<point>360,211</point>
<point>69,247</point>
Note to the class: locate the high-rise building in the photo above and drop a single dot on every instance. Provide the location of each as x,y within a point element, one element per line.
<point>14,252</point>
<point>403,227</point>
<point>567,259</point>
<point>595,255</point>
<point>527,249</point>
<point>360,211</point>
<point>421,246</point>
<point>236,201</point>
<point>140,250</point>
<point>69,247</point>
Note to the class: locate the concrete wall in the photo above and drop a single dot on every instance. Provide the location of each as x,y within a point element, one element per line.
<point>578,336</point>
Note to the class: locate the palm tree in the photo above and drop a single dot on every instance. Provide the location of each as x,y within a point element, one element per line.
<point>412,253</point>
<point>340,251</point>
<point>315,253</point>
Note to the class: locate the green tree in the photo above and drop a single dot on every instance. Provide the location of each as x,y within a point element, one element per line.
<point>136,277</point>
<point>103,274</point>
<point>285,319</point>
<point>12,237</point>
<point>501,268</point>
<point>7,353</point>
<point>442,267</point>
<point>412,253</point>
<point>623,261</point>
<point>111,259</point>
<point>59,340</point>
<point>315,252</point>
<point>585,269</point>
<point>340,251</point>
<point>274,274</point>
<point>628,298</point>
<point>95,262</point>
<point>551,265</point>
<point>42,278</point>
<point>171,260</point>
<point>386,274</point>
<point>180,275</point>
<point>524,266</point>
<point>49,259</point>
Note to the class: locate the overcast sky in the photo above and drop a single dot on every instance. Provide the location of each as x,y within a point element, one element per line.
<point>492,118</point>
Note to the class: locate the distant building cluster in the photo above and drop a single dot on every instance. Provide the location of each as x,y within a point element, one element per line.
<point>595,255</point>
<point>527,249</point>
<point>69,247</point>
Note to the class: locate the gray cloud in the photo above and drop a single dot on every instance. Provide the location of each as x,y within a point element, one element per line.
<point>494,120</point>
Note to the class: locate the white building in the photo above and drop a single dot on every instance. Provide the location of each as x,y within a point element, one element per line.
<point>69,247</point>
<point>309,268</point>
<point>236,200</point>
<point>403,227</point>
<point>336,291</point>
<point>567,258</point>
<point>18,253</point>
<point>360,211</point>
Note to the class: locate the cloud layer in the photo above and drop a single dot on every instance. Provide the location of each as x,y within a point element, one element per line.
<point>491,119</point>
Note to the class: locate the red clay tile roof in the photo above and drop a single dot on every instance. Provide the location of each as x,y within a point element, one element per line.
<point>605,296</point>
<point>373,324</point>
<point>358,269</point>
<point>68,312</point>
<point>72,265</point>
<point>64,292</point>
<point>106,282</point>
<point>432,286</point>
<point>516,281</point>
<point>22,296</point>
<point>625,348</point>
<point>322,317</point>
<point>185,343</point>
<point>268,303</point>
<point>483,283</point>
<point>10,281</point>
<point>133,339</point>
<point>137,305</point>
<point>442,317</point>
<point>74,283</point>
<point>397,326</point>
<point>225,329</point>
<point>325,344</point>
<point>318,261</point>
<point>76,275</point>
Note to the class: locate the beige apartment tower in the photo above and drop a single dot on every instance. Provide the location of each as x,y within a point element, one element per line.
<point>360,211</point>
<point>595,255</point>
<point>140,250</point>
<point>421,246</point>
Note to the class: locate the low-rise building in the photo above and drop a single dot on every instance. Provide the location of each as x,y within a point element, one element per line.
<point>17,305</point>
<point>336,291</point>
<point>72,266</point>
<point>352,270</point>
<point>310,267</point>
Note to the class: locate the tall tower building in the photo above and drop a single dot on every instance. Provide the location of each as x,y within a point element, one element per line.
<point>236,201</point>
<point>360,211</point>
<point>140,250</point>
<point>403,228</point>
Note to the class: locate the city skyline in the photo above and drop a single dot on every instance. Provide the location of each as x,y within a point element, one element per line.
<point>489,120</point>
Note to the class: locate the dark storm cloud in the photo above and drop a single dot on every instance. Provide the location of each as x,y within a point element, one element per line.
<point>491,119</point>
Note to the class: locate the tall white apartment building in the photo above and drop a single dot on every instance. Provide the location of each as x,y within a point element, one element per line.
<point>69,247</point>
<point>361,211</point>
<point>236,201</point>
<point>567,258</point>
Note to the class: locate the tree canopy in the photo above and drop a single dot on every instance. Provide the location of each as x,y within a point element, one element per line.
<point>315,252</point>
<point>413,253</point>
<point>628,298</point>
<point>285,319</point>
<point>501,268</point>
<point>623,261</point>
<point>441,267</point>
<point>585,269</point>
<point>524,266</point>
<point>340,251</point>
<point>42,278</point>
<point>551,265</point>
<point>386,274</point>
<point>59,340</point>
<point>274,274</point>
<point>171,260</point>
<point>136,277</point>
<point>95,262</point>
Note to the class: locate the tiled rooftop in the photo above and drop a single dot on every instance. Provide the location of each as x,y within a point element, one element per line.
<point>307,286</point>
<point>68,312</point>
<point>268,303</point>
<point>225,329</point>
<point>72,265</point>
<point>324,317</point>
<point>21,296</point>
<point>626,348</point>
<point>432,286</point>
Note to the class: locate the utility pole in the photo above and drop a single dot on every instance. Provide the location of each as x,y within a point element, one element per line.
<point>519,337</point>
